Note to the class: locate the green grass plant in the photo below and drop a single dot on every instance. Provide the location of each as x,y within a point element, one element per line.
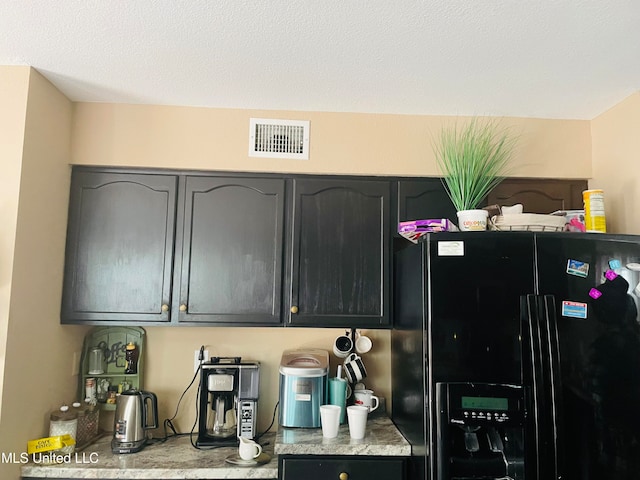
<point>473,159</point>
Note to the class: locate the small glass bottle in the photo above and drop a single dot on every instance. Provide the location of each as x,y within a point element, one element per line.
<point>131,356</point>
<point>63,422</point>
<point>112,395</point>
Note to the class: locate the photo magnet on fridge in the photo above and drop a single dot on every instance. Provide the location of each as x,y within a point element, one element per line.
<point>577,268</point>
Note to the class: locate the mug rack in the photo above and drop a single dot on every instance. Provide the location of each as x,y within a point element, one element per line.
<point>113,342</point>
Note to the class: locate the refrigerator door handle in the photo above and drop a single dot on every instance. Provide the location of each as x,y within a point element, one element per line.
<point>554,387</point>
<point>533,375</point>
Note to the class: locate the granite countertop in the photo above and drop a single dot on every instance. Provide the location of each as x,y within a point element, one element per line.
<point>381,438</point>
<point>178,459</point>
<point>173,459</point>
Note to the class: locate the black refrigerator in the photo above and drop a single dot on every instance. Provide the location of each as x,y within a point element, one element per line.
<point>517,355</point>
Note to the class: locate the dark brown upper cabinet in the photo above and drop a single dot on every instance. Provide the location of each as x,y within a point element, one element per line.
<point>340,254</point>
<point>173,249</point>
<point>422,199</point>
<point>119,255</point>
<point>231,251</point>
<point>539,195</point>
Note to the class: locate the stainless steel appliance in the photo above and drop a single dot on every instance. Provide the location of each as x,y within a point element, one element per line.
<point>228,401</point>
<point>303,387</point>
<point>553,316</point>
<point>134,411</point>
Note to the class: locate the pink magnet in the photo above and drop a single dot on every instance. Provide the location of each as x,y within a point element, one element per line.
<point>595,293</point>
<point>610,274</point>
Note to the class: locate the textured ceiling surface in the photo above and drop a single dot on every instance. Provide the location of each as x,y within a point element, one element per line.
<point>546,58</point>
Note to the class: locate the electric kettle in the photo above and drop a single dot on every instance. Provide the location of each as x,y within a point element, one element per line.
<point>132,419</point>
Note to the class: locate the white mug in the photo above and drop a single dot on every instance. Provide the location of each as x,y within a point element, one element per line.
<point>363,344</point>
<point>248,449</point>
<point>366,398</point>
<point>342,346</point>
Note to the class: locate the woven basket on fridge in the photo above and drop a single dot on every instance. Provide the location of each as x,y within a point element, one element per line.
<point>528,222</point>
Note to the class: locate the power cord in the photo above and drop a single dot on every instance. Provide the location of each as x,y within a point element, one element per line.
<point>168,422</point>
<point>273,419</point>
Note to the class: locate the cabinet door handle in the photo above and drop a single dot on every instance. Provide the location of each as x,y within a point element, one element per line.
<point>165,307</point>
<point>343,476</point>
<point>183,308</point>
<point>294,309</point>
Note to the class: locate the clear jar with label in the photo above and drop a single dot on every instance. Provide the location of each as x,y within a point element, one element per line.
<point>64,422</point>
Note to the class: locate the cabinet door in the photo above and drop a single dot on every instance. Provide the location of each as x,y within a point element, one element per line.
<point>119,247</point>
<point>231,247</point>
<point>338,468</point>
<point>539,195</point>
<point>422,199</point>
<point>340,254</point>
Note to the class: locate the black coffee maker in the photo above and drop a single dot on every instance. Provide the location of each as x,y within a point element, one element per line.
<point>481,431</point>
<point>228,400</point>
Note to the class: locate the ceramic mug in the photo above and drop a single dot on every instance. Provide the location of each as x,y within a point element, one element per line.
<point>248,449</point>
<point>366,398</point>
<point>363,344</point>
<point>342,346</point>
<point>354,368</point>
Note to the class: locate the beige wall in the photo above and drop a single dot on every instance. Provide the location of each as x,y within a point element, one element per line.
<point>39,351</point>
<point>616,164</point>
<point>361,144</point>
<point>14,84</point>
<point>169,361</point>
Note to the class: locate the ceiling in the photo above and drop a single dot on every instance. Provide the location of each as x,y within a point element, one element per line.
<point>543,58</point>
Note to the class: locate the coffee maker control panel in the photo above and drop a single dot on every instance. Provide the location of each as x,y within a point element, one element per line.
<point>246,425</point>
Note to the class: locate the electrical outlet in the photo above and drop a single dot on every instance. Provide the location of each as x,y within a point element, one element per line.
<point>196,360</point>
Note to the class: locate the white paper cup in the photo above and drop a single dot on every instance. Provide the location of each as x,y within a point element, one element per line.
<point>357,417</point>
<point>330,420</point>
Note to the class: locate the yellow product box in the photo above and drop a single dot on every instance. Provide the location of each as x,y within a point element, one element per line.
<point>50,443</point>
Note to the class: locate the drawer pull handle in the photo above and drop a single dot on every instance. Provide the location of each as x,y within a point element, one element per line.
<point>294,309</point>
<point>343,476</point>
<point>165,307</point>
<point>183,308</point>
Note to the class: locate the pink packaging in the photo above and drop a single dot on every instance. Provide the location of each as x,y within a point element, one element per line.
<point>414,229</point>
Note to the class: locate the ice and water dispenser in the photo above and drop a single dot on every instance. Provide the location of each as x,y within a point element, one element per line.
<point>480,431</point>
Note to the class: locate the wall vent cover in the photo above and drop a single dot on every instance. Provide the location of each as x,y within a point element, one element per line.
<point>279,138</point>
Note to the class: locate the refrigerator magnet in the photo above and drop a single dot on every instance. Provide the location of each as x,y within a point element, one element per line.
<point>451,249</point>
<point>574,309</point>
<point>613,264</point>
<point>595,293</point>
<point>610,275</point>
<point>577,268</point>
